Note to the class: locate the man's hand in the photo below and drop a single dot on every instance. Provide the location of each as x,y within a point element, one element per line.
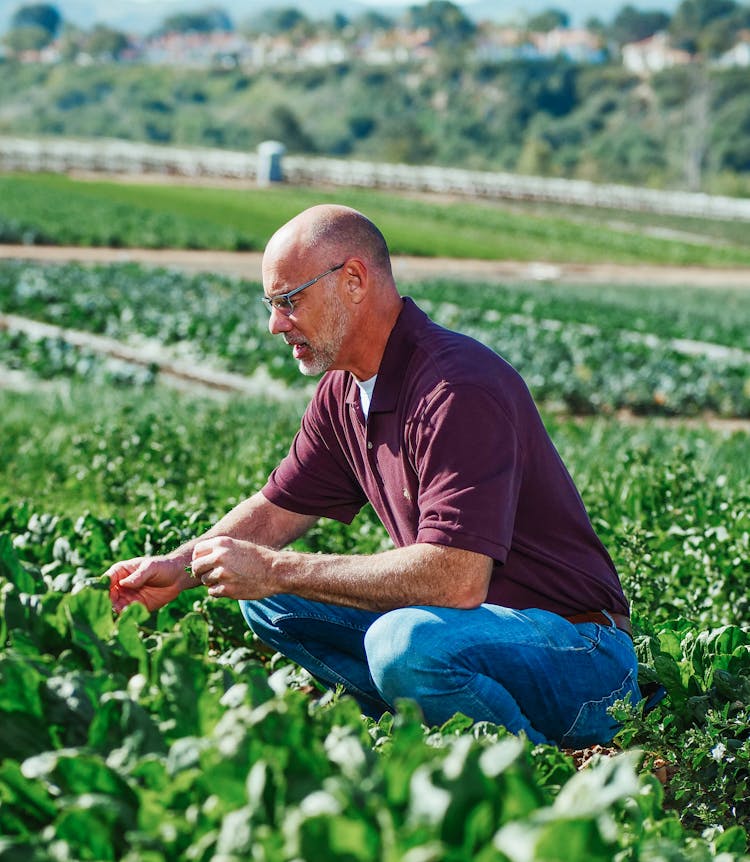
<point>233,568</point>
<point>152,581</point>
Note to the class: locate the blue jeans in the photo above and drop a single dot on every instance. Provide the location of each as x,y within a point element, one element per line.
<point>530,671</point>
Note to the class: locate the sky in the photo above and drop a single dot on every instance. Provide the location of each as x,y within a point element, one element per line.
<point>144,15</point>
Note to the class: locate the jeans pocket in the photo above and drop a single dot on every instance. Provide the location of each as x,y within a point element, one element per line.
<point>593,724</point>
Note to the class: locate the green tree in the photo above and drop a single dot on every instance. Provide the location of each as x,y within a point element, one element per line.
<point>203,21</point>
<point>596,25</point>
<point>446,22</point>
<point>633,25</point>
<point>71,41</point>
<point>339,22</point>
<point>629,154</point>
<point>692,17</point>
<point>33,27</point>
<point>548,20</point>
<point>730,140</point>
<point>372,20</point>
<point>40,15</point>
<point>275,22</point>
<point>535,156</point>
<point>284,125</point>
<point>106,43</point>
<point>27,39</point>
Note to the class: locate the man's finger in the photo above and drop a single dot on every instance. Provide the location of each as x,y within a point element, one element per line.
<point>213,575</point>
<point>137,577</point>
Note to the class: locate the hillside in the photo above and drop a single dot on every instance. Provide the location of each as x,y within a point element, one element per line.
<point>687,127</point>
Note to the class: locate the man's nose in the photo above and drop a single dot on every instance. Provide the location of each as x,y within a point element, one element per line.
<point>278,322</point>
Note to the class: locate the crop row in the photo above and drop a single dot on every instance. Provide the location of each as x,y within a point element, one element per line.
<point>173,736</point>
<point>119,298</point>
<point>714,315</point>
<point>567,363</point>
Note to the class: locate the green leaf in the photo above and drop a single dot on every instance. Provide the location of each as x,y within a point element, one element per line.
<point>181,679</point>
<point>715,649</point>
<point>90,621</point>
<point>562,841</point>
<point>733,840</point>
<point>128,634</point>
<point>122,723</point>
<point>21,851</point>
<point>91,608</point>
<point>670,675</point>
<point>12,569</point>
<point>19,687</point>
<point>85,773</point>
<point>95,826</point>
<point>194,629</point>
<point>28,799</point>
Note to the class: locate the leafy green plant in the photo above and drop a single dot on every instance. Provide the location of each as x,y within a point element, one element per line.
<point>147,736</point>
<point>176,735</point>
<point>567,361</point>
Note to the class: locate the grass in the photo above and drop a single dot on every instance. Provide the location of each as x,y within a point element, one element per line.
<point>61,210</point>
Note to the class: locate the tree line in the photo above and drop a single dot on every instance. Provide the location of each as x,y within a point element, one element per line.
<point>708,27</point>
<point>687,127</point>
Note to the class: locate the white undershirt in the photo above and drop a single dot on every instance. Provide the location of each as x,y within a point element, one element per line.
<point>365,393</point>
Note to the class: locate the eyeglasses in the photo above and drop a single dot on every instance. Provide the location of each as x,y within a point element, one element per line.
<point>283,301</point>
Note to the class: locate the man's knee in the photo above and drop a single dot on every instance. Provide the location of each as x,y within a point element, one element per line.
<point>401,648</point>
<point>262,620</point>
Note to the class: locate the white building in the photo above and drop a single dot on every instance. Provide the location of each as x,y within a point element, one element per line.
<point>652,55</point>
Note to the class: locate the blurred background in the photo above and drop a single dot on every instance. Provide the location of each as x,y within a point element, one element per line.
<point>653,95</point>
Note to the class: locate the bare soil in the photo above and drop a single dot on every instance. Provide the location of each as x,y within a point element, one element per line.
<point>406,268</point>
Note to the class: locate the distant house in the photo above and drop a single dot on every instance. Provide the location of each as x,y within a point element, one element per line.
<point>738,55</point>
<point>197,49</point>
<point>395,46</point>
<point>322,52</point>
<point>576,44</point>
<point>652,55</point>
<point>496,44</point>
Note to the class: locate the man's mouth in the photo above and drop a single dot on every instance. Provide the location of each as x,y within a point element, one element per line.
<point>298,348</point>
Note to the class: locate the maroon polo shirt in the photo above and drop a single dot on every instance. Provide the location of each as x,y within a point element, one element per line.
<point>453,453</point>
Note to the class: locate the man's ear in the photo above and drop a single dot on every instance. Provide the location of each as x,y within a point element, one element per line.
<point>356,279</point>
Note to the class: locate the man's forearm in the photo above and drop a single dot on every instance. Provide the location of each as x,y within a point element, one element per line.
<point>255,520</point>
<point>419,574</point>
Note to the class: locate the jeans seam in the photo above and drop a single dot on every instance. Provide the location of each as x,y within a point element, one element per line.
<point>347,684</point>
<point>628,677</point>
<point>315,660</point>
<point>319,618</point>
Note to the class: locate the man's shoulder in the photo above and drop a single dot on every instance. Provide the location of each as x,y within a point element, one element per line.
<point>450,358</point>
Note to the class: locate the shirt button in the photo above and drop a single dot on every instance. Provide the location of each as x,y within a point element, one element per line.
<point>369,444</point>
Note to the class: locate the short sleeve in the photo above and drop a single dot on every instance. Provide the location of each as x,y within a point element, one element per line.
<point>314,478</point>
<point>469,462</point>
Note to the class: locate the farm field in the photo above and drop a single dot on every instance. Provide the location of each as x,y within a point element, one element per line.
<point>159,215</point>
<point>177,736</point>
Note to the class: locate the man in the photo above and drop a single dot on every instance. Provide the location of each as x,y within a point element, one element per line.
<point>498,600</point>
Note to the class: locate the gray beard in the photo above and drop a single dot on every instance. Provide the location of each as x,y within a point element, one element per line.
<point>324,353</point>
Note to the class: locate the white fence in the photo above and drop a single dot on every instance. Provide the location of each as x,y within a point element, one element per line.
<point>115,156</point>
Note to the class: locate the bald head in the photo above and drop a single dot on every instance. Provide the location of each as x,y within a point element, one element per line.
<point>345,321</point>
<point>325,235</point>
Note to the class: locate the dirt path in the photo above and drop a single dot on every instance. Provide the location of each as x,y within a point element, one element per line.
<point>247,265</point>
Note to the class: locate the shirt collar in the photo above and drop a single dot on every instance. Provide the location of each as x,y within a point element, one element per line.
<point>398,349</point>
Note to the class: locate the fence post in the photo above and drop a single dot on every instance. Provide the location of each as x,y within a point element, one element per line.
<point>269,162</point>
